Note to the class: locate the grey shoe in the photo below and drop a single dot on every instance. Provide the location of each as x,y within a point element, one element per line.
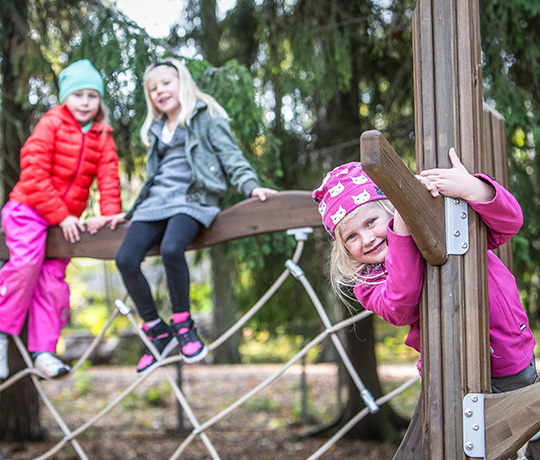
<point>4,369</point>
<point>50,366</point>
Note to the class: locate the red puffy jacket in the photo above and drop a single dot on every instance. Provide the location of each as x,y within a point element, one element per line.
<point>59,163</point>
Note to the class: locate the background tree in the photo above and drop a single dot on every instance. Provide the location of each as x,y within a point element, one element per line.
<point>512,84</point>
<point>38,39</point>
<point>21,59</point>
<point>59,33</point>
<point>325,72</point>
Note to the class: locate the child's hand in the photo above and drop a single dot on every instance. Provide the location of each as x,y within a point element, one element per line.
<point>71,227</point>
<point>95,223</point>
<point>117,219</point>
<point>456,182</point>
<point>400,227</point>
<point>261,192</point>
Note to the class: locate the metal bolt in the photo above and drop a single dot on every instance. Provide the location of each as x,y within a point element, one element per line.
<point>469,446</point>
<point>463,215</point>
<point>457,233</point>
<point>457,201</point>
<point>474,399</point>
<point>468,413</point>
<point>464,245</point>
<point>476,427</point>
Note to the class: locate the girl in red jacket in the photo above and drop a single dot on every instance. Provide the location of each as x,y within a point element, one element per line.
<point>70,146</point>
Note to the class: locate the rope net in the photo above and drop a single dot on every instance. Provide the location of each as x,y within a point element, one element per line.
<point>201,428</point>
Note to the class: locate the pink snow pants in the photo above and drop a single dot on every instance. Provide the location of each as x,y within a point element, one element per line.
<point>31,285</point>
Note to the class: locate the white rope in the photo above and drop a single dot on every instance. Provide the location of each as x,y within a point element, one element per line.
<point>200,429</point>
<point>359,416</point>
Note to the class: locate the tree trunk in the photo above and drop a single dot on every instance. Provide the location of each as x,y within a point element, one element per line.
<point>385,425</point>
<point>224,305</point>
<point>19,405</point>
<point>15,116</point>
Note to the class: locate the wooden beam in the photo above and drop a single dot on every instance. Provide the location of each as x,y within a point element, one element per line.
<point>511,419</point>
<point>251,217</point>
<point>423,214</point>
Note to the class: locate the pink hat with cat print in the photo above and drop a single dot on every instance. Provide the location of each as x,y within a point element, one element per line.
<point>342,190</point>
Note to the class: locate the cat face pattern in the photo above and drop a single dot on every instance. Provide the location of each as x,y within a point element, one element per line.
<point>342,190</point>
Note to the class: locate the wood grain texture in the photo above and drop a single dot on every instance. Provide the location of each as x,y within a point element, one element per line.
<point>511,420</point>
<point>251,217</point>
<point>423,214</point>
<point>454,325</point>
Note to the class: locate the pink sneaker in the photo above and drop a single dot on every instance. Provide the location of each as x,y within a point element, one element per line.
<point>192,347</point>
<point>162,338</point>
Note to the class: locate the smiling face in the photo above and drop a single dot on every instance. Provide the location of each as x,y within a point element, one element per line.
<point>364,234</point>
<point>84,105</point>
<point>163,88</point>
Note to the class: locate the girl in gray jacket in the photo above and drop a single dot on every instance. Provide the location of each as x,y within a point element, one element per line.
<point>192,154</point>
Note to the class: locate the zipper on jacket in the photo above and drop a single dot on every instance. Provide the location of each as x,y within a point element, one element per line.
<point>79,161</point>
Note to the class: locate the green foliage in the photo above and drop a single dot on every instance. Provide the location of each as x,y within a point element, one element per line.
<point>263,347</point>
<point>158,395</point>
<point>83,381</point>
<point>512,84</point>
<point>260,404</point>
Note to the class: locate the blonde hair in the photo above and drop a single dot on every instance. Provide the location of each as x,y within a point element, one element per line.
<point>189,94</point>
<point>102,114</point>
<point>345,270</point>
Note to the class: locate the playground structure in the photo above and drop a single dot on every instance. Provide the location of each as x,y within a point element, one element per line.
<point>460,418</point>
<point>248,218</point>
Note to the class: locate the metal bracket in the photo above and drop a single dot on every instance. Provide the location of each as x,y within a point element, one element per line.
<point>474,428</point>
<point>457,226</point>
<point>301,234</point>
<point>122,307</point>
<point>295,270</point>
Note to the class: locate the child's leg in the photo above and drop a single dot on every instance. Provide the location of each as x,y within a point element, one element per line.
<point>50,308</point>
<point>181,230</point>
<point>139,239</point>
<point>526,377</point>
<point>26,234</point>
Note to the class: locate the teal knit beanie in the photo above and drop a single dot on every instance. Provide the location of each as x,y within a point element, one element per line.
<point>79,75</point>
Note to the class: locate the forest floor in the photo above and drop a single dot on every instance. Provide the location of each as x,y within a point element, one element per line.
<point>145,425</point>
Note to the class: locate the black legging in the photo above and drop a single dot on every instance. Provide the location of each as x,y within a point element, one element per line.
<point>175,233</point>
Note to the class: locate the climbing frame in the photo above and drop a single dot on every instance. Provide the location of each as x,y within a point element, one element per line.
<point>247,218</point>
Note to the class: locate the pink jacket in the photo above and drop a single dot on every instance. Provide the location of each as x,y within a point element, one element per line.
<point>396,297</point>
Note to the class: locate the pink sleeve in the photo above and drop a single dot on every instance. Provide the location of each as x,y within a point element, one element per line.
<point>502,215</point>
<point>395,295</point>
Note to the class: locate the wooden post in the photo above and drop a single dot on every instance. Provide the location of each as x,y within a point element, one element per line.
<point>454,307</point>
<point>497,165</point>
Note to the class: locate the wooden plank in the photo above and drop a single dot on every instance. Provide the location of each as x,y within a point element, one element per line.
<point>454,327</point>
<point>251,217</point>
<point>423,214</point>
<point>430,305</point>
<point>497,167</point>
<point>471,140</point>
<point>507,429</point>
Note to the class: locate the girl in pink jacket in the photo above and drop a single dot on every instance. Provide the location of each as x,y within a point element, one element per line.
<point>375,257</point>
